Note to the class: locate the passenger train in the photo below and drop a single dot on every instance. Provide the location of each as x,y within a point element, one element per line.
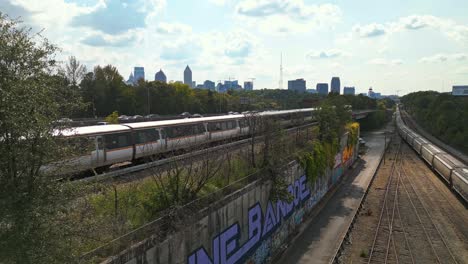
<point>99,147</point>
<point>454,172</point>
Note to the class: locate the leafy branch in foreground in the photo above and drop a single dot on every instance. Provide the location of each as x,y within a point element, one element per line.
<point>34,227</point>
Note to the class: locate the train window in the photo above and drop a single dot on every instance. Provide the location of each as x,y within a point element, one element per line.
<point>199,129</point>
<point>100,142</point>
<point>80,146</point>
<point>215,126</point>
<point>231,124</point>
<point>121,140</point>
<point>148,135</point>
<point>186,130</point>
<point>243,123</point>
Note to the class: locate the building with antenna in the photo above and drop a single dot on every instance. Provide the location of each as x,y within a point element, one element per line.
<point>188,76</point>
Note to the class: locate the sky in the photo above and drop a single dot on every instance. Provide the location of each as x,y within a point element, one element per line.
<point>396,47</point>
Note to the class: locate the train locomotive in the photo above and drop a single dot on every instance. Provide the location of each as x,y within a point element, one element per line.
<point>454,172</point>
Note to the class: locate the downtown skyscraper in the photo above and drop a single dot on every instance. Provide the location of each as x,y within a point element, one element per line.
<point>188,76</point>
<point>335,85</point>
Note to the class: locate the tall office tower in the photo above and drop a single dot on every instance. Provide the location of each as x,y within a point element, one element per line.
<point>131,79</point>
<point>138,73</point>
<point>160,76</point>
<point>335,85</point>
<point>322,88</point>
<point>188,76</point>
<point>298,85</point>
<point>248,86</point>
<point>349,90</point>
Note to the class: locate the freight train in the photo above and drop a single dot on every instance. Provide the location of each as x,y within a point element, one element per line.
<point>454,172</point>
<point>96,148</point>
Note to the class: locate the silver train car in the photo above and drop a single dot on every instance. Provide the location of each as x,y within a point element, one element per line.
<point>454,172</point>
<point>99,147</point>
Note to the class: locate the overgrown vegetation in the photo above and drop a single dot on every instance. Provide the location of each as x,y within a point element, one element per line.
<point>34,227</point>
<point>443,115</point>
<point>380,117</point>
<point>112,118</point>
<point>334,118</point>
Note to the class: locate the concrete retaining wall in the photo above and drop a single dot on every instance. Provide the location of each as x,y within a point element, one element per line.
<point>246,226</point>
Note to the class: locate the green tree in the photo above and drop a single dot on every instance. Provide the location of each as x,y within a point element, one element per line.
<point>33,206</point>
<point>74,71</point>
<point>113,118</point>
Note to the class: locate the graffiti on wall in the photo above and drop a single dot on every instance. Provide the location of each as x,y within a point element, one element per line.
<point>268,231</point>
<point>347,153</point>
<point>226,247</point>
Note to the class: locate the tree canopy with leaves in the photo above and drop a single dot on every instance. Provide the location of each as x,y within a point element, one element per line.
<point>32,96</point>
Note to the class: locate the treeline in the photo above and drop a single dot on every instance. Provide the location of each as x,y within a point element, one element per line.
<point>104,91</point>
<point>443,115</point>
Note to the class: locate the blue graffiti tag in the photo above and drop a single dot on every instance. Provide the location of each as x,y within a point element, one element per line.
<point>226,248</point>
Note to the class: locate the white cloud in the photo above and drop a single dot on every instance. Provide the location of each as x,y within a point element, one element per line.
<point>326,54</point>
<point>286,16</point>
<point>181,50</point>
<point>173,28</point>
<point>443,57</point>
<point>385,62</point>
<point>370,30</point>
<point>414,22</point>
<point>462,71</point>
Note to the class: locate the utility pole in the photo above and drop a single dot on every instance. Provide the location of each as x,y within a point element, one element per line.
<point>148,97</point>
<point>281,71</point>
<point>219,96</point>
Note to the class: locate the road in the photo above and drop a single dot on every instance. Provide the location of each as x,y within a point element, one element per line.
<point>322,237</point>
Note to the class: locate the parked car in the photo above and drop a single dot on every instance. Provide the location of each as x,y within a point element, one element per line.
<point>102,123</point>
<point>64,120</point>
<point>124,117</point>
<point>150,116</point>
<point>362,141</point>
<point>185,114</point>
<point>196,116</point>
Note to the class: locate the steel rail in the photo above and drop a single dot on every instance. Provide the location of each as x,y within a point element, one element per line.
<point>419,218</point>
<point>429,216</point>
<point>384,206</point>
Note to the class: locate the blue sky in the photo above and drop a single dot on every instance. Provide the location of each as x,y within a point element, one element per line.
<point>392,46</point>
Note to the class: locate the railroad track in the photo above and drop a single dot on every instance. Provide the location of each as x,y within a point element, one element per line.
<point>441,253</point>
<point>383,249</point>
<point>435,193</point>
<point>405,225</point>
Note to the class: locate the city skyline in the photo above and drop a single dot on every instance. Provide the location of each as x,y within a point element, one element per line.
<point>383,45</point>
